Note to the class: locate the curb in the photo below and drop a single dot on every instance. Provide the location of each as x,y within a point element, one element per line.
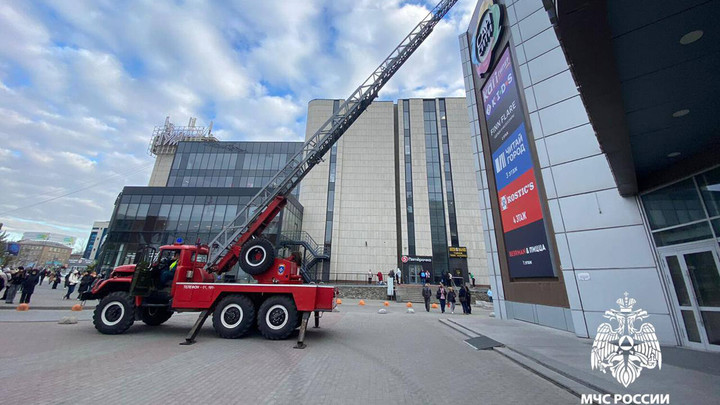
<point>53,308</point>
<point>563,380</point>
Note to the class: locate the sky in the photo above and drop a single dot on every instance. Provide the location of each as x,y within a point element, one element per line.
<point>84,82</point>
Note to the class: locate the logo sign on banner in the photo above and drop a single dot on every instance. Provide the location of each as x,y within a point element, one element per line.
<point>521,214</point>
<point>486,36</point>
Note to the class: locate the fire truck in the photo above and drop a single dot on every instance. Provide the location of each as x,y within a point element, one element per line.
<point>182,277</point>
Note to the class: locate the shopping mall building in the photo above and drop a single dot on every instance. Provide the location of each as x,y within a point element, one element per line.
<point>595,130</point>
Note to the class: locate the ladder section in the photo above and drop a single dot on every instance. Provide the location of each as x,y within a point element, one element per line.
<point>320,143</point>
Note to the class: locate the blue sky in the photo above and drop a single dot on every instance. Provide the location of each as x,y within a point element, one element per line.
<point>83,83</point>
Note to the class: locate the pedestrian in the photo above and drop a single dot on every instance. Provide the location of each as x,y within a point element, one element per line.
<point>426,293</point>
<point>42,274</point>
<point>72,279</point>
<point>489,294</point>
<point>448,278</point>
<point>3,283</point>
<point>468,299</point>
<point>442,296</point>
<point>422,277</point>
<point>28,286</point>
<point>85,283</point>
<point>58,277</point>
<point>473,279</point>
<point>16,280</point>
<point>370,276</point>
<point>380,277</point>
<point>451,299</point>
<point>398,275</point>
<point>463,299</point>
<point>391,275</point>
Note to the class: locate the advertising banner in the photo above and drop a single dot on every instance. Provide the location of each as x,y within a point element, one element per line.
<point>521,214</point>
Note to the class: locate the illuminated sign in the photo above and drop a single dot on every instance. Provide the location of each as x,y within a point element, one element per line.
<point>486,36</point>
<point>459,252</point>
<point>523,225</point>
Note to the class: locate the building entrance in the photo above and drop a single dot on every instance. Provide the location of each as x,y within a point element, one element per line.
<point>414,273</point>
<point>695,273</point>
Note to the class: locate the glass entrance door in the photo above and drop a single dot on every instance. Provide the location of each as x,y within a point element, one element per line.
<point>695,274</point>
<point>414,273</point>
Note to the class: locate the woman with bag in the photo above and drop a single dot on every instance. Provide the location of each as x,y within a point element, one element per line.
<point>451,299</point>
<point>463,298</point>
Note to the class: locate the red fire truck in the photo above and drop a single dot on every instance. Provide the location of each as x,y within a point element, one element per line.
<point>180,277</point>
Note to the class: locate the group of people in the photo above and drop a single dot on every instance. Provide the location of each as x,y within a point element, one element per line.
<point>395,275</point>
<point>25,280</point>
<point>450,297</point>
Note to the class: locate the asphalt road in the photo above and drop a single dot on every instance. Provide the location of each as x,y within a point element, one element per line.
<point>357,357</point>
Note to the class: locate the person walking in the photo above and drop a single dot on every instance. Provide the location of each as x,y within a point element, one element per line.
<point>72,280</point>
<point>448,278</point>
<point>85,283</point>
<point>426,293</point>
<point>473,279</point>
<point>370,276</point>
<point>451,299</point>
<point>3,283</point>
<point>463,298</point>
<point>442,296</point>
<point>398,275</point>
<point>58,277</point>
<point>15,282</point>
<point>468,299</point>
<point>28,286</point>
<point>422,277</point>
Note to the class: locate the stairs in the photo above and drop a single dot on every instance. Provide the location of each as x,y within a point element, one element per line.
<point>312,253</point>
<point>413,293</point>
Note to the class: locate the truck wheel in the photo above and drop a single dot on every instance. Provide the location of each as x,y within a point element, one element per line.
<point>277,317</point>
<point>233,316</point>
<point>114,314</point>
<point>154,316</point>
<point>256,256</point>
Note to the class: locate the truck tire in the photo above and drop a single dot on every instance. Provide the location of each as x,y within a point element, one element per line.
<point>278,317</point>
<point>233,316</point>
<point>257,256</point>
<point>154,316</point>
<point>114,314</point>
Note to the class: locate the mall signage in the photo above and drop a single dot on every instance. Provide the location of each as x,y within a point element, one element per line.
<point>521,214</point>
<point>457,252</point>
<point>412,259</point>
<point>486,36</point>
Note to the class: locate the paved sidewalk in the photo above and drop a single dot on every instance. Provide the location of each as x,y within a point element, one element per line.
<point>690,377</point>
<point>45,297</point>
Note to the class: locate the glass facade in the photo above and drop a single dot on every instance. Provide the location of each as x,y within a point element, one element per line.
<point>90,244</point>
<point>408,179</point>
<point>229,164</point>
<point>452,216</point>
<point>158,216</point>
<point>435,191</point>
<point>685,211</point>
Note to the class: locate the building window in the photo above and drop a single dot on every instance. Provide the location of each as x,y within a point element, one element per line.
<point>408,179</point>
<point>452,216</point>
<point>435,190</point>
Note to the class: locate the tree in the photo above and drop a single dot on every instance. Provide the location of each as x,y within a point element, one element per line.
<point>5,257</point>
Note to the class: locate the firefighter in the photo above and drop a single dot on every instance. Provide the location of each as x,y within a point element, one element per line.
<point>167,272</point>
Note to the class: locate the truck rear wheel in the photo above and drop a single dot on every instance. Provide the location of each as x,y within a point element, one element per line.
<point>256,256</point>
<point>154,316</point>
<point>233,316</point>
<point>114,314</point>
<point>278,317</point>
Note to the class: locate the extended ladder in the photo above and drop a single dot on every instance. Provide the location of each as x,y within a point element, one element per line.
<point>320,143</point>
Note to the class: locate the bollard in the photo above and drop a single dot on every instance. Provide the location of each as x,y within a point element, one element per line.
<point>77,308</point>
<point>23,307</point>
<point>362,302</point>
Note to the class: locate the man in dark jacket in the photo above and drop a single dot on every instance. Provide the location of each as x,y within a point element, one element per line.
<point>85,283</point>
<point>427,293</point>
<point>42,274</point>
<point>58,277</point>
<point>28,286</point>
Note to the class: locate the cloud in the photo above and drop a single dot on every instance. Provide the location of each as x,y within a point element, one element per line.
<point>84,82</point>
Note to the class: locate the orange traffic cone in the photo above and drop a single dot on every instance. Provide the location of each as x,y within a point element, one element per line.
<point>338,301</point>
<point>362,302</point>
<point>77,307</point>
<point>387,304</point>
<point>434,305</point>
<point>409,304</point>
<point>23,307</point>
